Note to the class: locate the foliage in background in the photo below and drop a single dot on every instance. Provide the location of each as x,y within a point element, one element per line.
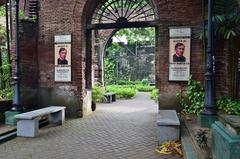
<point>3,35</point>
<point>145,82</point>
<point>226,19</point>
<point>193,102</point>
<point>2,11</point>
<point>110,63</point>
<point>21,14</point>
<point>154,95</point>
<point>229,105</point>
<point>139,35</point>
<point>110,71</point>
<point>98,94</point>
<point>145,88</point>
<point>122,91</point>
<point>127,82</point>
<point>6,91</point>
<point>6,70</point>
<point>6,94</point>
<point>131,61</point>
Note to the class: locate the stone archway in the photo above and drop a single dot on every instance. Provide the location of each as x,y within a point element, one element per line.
<point>114,14</point>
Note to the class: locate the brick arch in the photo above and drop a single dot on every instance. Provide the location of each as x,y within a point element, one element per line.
<point>87,15</point>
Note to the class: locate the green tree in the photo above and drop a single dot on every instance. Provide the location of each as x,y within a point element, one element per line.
<point>226,19</point>
<point>117,54</point>
<point>140,35</point>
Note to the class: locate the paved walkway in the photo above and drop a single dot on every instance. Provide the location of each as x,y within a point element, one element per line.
<point>121,130</point>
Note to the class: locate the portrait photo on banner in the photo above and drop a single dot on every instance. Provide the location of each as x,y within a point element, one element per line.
<point>62,54</point>
<point>179,50</point>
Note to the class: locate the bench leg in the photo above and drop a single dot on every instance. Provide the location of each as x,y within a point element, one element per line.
<point>27,128</point>
<point>57,117</point>
<point>108,98</point>
<point>114,97</point>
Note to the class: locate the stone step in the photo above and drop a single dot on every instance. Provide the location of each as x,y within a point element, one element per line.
<point>168,126</point>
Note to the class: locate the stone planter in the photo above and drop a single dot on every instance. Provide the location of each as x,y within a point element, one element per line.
<point>226,138</point>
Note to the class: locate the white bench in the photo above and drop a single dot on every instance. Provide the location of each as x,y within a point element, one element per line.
<point>168,126</point>
<point>28,123</point>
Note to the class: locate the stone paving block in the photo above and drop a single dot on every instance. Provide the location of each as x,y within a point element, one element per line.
<point>120,130</point>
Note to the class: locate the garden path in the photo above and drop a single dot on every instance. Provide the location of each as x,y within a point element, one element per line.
<point>125,129</point>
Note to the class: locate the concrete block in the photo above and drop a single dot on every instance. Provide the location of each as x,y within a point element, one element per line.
<point>57,117</point>
<point>168,126</point>
<point>27,128</point>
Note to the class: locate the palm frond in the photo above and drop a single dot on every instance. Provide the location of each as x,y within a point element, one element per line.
<point>226,19</point>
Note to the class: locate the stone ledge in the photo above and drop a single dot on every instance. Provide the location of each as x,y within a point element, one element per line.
<point>168,126</point>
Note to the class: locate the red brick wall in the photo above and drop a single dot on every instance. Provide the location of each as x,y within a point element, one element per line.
<point>28,54</point>
<point>71,17</point>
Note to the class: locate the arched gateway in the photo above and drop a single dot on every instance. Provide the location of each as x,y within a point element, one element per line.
<point>69,24</point>
<point>109,17</point>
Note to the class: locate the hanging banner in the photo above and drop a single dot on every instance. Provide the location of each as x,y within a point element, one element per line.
<point>62,58</point>
<point>179,55</point>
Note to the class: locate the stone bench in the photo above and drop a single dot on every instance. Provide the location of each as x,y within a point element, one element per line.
<point>28,123</point>
<point>111,97</point>
<point>168,126</point>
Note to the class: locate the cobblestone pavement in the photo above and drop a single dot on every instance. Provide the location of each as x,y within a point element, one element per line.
<point>121,130</point>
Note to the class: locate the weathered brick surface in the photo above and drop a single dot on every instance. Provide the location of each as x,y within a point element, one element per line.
<point>72,17</point>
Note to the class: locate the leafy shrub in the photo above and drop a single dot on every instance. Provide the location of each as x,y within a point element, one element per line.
<point>98,94</point>
<point>193,102</point>
<point>154,95</point>
<point>6,93</point>
<point>144,88</point>
<point>145,82</point>
<point>137,82</point>
<point>229,105</point>
<point>125,82</point>
<point>123,91</point>
<point>110,70</point>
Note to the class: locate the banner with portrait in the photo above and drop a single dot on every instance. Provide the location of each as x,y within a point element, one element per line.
<point>60,50</point>
<point>179,59</point>
<point>62,58</point>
